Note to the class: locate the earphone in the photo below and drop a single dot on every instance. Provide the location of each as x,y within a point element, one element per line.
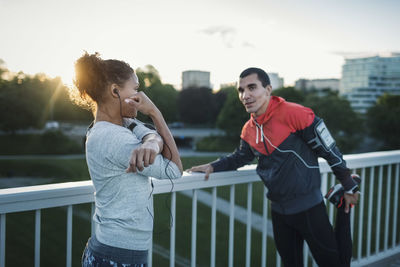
<point>115,90</point>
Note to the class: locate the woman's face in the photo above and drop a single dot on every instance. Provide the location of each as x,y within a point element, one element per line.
<point>128,90</point>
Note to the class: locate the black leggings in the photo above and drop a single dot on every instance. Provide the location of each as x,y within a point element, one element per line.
<point>328,247</point>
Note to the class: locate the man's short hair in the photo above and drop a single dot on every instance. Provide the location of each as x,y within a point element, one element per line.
<point>261,74</point>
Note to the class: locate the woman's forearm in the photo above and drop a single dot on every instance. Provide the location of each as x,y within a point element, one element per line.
<point>170,150</point>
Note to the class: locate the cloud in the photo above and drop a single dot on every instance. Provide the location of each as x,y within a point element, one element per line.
<point>225,33</point>
<point>247,44</point>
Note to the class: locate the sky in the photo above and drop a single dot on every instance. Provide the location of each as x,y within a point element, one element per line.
<point>296,39</point>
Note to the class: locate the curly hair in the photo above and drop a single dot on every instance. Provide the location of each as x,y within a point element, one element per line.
<point>92,77</point>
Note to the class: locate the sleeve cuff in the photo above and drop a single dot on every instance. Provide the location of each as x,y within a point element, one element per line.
<point>349,184</point>
<point>218,165</point>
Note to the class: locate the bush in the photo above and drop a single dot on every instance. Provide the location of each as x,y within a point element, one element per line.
<point>51,142</point>
<point>218,144</point>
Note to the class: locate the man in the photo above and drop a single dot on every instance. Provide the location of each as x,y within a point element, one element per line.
<point>287,140</point>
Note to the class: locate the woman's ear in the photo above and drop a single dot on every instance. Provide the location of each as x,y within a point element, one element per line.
<point>114,90</point>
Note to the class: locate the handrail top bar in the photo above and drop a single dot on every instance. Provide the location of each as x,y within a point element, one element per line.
<point>54,195</point>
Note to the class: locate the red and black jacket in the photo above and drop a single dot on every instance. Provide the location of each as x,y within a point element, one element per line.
<point>282,140</point>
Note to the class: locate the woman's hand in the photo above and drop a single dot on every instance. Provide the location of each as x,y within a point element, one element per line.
<point>143,156</point>
<point>142,103</point>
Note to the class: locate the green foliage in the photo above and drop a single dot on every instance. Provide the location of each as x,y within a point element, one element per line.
<point>344,124</point>
<point>218,143</point>
<point>52,142</point>
<point>290,94</point>
<point>383,121</point>
<point>164,96</point>
<point>60,169</point>
<point>28,101</point>
<point>233,114</point>
<point>196,105</point>
<point>22,102</point>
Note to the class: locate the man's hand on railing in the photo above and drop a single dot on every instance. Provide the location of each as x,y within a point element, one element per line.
<point>206,168</point>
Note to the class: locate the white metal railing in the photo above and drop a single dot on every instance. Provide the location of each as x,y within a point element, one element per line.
<point>36,198</point>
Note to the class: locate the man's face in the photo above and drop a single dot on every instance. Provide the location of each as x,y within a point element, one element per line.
<point>253,95</point>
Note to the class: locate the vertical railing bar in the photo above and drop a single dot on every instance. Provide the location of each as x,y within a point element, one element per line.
<point>379,211</point>
<point>314,264</point>
<point>324,184</point>
<point>213,226</point>
<point>172,232</point>
<point>150,255</point>
<point>69,236</point>
<point>361,214</point>
<point>352,214</point>
<point>305,254</point>
<point>248,226</point>
<point>194,227</point>
<point>331,207</point>
<point>395,206</point>
<point>231,224</point>
<point>370,204</point>
<point>92,210</point>
<point>388,184</point>
<point>264,230</point>
<point>278,260</point>
<point>37,237</point>
<point>2,239</point>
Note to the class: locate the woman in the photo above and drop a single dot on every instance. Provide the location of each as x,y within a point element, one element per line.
<point>121,155</point>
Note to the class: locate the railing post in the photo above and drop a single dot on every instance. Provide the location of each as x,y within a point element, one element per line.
<point>331,208</point>
<point>379,211</point>
<point>361,215</point>
<point>395,206</point>
<point>388,184</point>
<point>231,224</point>
<point>2,239</point>
<point>172,233</point>
<point>194,227</point>
<point>278,259</point>
<point>37,238</point>
<point>213,226</point>
<point>370,204</point>
<point>249,226</point>
<point>150,255</point>
<point>92,210</point>
<point>264,230</point>
<point>69,236</point>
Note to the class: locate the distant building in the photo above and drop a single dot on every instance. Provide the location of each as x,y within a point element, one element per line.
<point>317,84</point>
<point>365,79</point>
<point>195,78</point>
<point>276,81</point>
<point>231,84</point>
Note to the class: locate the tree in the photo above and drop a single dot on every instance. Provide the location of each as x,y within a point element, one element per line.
<point>28,101</point>
<point>343,123</point>
<point>164,96</point>
<point>290,94</point>
<point>233,115</point>
<point>196,105</point>
<point>383,121</point>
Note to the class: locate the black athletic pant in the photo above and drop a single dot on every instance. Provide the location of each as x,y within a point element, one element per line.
<point>328,247</point>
